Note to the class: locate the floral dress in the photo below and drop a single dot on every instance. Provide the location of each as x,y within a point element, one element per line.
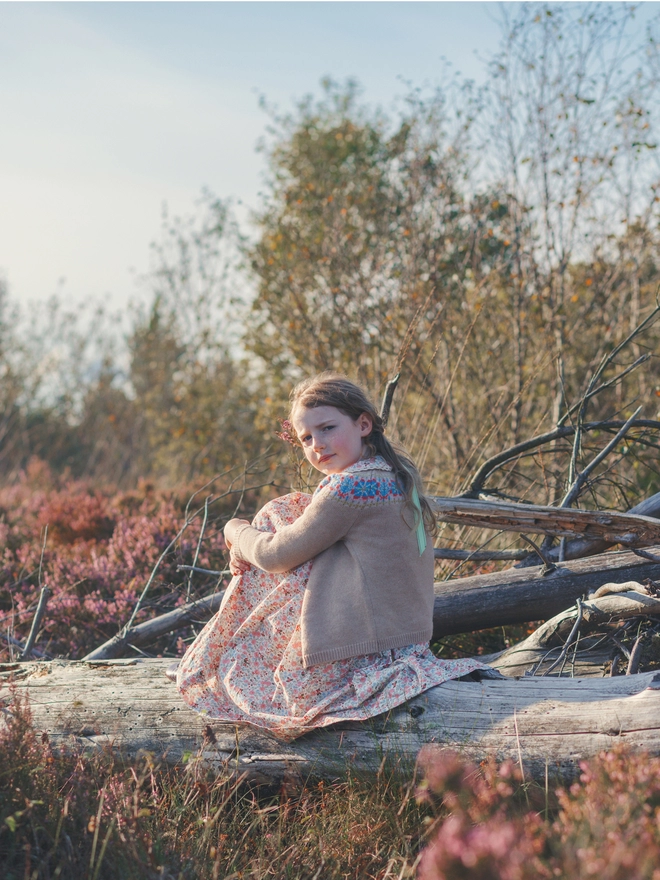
<point>246,664</point>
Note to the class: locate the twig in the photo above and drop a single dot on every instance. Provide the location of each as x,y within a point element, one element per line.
<point>386,404</point>
<point>645,554</point>
<point>548,565</point>
<point>568,642</point>
<point>590,394</point>
<point>580,480</point>
<point>143,594</point>
<point>576,481</point>
<point>36,623</point>
<point>16,644</point>
<point>607,359</point>
<point>635,656</point>
<point>199,544</point>
<point>519,449</point>
<point>148,632</point>
<point>189,519</point>
<point>479,555</point>
<point>621,647</point>
<point>41,607</point>
<point>203,570</point>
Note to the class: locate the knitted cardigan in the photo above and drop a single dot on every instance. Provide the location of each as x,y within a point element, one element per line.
<point>369,589</point>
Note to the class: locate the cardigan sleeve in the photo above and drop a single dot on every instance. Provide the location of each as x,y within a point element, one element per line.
<point>326,521</point>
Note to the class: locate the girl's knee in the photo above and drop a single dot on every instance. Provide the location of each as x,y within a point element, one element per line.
<point>281,511</point>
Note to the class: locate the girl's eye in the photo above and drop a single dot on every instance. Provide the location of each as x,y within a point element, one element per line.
<point>328,427</point>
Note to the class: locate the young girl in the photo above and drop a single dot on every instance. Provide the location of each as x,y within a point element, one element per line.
<point>330,611</point>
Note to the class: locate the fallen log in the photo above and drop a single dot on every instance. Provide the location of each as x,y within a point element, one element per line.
<point>520,595</point>
<point>548,724</point>
<point>542,651</point>
<point>578,548</point>
<point>608,525</point>
<point>461,605</point>
<point>146,633</point>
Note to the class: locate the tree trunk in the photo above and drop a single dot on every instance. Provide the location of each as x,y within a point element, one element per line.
<point>520,595</point>
<point>543,722</point>
<point>608,525</point>
<point>462,605</point>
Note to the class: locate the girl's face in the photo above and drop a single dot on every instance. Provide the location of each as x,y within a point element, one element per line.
<point>331,440</point>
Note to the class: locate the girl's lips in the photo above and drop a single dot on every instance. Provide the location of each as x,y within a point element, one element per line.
<point>325,458</point>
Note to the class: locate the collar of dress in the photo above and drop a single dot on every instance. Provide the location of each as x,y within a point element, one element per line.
<point>376,463</point>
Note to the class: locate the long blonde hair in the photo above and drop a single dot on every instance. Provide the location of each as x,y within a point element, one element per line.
<point>334,389</point>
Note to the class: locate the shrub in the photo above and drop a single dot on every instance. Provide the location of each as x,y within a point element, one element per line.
<point>99,552</point>
<point>605,825</point>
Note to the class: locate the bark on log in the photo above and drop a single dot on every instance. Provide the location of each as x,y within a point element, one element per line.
<point>608,525</point>
<point>578,548</point>
<point>520,595</point>
<point>547,722</point>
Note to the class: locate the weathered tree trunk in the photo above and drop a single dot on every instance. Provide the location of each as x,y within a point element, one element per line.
<point>609,525</point>
<point>461,605</point>
<point>542,722</point>
<point>548,651</point>
<point>520,595</point>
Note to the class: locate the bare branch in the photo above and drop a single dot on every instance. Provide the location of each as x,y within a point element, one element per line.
<point>386,404</point>
<point>41,606</point>
<point>581,479</point>
<point>36,623</point>
<point>517,451</point>
<point>479,555</point>
<point>147,633</point>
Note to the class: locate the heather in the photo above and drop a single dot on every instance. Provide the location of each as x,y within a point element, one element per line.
<point>74,814</point>
<point>95,549</point>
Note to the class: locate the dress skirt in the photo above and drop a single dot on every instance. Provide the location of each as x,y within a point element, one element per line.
<point>245,666</point>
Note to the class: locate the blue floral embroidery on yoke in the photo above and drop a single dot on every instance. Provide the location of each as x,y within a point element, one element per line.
<point>348,486</point>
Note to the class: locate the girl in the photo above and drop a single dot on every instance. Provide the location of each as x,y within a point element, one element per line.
<point>329,614</point>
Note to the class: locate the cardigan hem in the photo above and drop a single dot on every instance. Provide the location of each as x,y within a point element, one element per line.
<point>370,646</point>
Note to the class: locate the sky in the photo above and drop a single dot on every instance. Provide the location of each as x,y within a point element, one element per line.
<point>109,111</point>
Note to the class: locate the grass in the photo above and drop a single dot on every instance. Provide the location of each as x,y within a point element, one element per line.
<point>70,814</point>
<point>76,815</point>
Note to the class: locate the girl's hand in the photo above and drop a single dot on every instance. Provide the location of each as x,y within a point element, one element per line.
<point>237,565</point>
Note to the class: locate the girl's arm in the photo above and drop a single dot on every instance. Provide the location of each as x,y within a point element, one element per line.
<point>326,521</point>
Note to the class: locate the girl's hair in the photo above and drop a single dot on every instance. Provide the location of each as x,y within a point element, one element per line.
<point>334,389</point>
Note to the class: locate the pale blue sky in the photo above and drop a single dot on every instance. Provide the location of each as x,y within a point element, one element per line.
<point>107,110</point>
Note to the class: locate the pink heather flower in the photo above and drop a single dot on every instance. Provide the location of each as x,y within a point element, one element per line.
<point>286,433</point>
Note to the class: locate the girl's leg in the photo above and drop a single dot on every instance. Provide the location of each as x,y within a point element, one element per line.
<point>240,607</point>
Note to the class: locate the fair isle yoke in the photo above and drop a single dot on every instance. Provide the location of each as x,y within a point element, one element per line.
<point>350,488</point>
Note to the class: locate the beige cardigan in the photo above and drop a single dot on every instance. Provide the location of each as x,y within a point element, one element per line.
<point>369,589</point>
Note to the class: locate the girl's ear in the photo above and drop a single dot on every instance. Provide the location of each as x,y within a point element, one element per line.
<point>365,424</point>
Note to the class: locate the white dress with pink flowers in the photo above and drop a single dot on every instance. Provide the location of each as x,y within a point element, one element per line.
<point>246,664</point>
